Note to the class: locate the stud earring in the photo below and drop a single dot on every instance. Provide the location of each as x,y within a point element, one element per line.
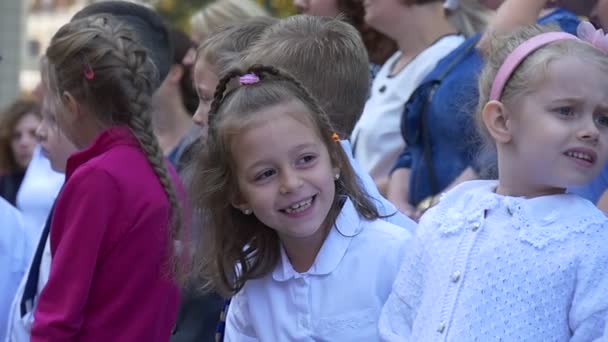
<point>337,176</point>
<point>247,211</point>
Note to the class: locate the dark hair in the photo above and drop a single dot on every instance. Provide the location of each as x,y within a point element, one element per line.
<point>120,90</point>
<point>181,45</point>
<point>8,120</point>
<point>149,27</point>
<point>231,239</point>
<point>379,46</point>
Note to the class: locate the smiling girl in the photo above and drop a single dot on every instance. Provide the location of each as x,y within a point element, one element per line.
<point>288,228</point>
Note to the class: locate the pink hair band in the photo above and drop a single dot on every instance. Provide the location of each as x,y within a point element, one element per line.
<point>249,78</point>
<point>517,56</point>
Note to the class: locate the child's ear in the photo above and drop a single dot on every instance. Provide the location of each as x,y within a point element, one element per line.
<point>336,173</point>
<point>240,204</point>
<point>175,73</point>
<point>496,119</point>
<point>70,103</point>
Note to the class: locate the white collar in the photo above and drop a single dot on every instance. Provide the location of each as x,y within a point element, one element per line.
<point>347,226</point>
<point>540,220</point>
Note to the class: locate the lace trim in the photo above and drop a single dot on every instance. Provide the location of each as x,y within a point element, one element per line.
<point>457,212</point>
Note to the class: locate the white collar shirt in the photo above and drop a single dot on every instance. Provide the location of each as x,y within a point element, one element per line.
<point>338,299</point>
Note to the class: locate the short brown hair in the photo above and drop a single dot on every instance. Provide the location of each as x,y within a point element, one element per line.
<point>327,55</point>
<point>224,46</point>
<point>9,119</point>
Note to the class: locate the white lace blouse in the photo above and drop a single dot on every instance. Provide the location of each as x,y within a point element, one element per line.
<point>486,267</point>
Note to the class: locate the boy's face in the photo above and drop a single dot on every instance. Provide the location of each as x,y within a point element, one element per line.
<point>205,81</point>
<point>55,146</point>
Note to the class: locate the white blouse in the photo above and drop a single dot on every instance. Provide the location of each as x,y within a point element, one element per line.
<point>486,267</point>
<point>377,140</point>
<point>338,299</point>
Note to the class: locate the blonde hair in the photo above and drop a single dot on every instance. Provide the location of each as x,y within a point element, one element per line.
<point>327,55</point>
<point>120,90</point>
<point>469,17</point>
<point>222,12</point>
<point>528,75</point>
<point>229,237</point>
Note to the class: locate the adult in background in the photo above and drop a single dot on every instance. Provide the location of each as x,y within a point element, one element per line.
<point>424,36</point>
<point>18,126</point>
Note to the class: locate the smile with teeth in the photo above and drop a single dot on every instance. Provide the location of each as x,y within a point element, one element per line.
<point>299,207</point>
<point>580,155</point>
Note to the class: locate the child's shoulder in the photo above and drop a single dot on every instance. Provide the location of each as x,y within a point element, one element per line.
<point>466,192</point>
<point>384,230</point>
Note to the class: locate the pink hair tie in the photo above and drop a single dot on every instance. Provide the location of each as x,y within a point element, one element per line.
<point>585,32</point>
<point>248,79</point>
<point>517,56</point>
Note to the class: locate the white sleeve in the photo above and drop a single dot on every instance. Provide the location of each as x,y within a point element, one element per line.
<point>589,309</point>
<point>238,322</point>
<point>400,310</point>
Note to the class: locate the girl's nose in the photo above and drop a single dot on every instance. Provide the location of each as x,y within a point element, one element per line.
<point>290,182</point>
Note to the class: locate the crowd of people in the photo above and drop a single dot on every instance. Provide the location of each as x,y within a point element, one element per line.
<point>378,170</point>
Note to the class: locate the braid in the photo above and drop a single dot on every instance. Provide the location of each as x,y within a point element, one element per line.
<point>218,95</point>
<point>130,70</point>
<point>139,88</point>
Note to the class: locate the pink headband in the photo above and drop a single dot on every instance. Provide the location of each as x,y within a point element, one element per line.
<point>585,31</point>
<point>517,56</point>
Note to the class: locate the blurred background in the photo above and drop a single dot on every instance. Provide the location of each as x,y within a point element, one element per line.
<point>26,27</point>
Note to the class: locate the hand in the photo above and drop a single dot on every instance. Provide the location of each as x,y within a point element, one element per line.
<point>407,209</point>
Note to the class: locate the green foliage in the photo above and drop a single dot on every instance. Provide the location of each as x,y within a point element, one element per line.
<point>178,12</point>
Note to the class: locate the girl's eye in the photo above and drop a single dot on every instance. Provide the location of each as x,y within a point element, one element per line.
<point>264,175</point>
<point>307,159</point>
<point>565,111</point>
<point>602,120</point>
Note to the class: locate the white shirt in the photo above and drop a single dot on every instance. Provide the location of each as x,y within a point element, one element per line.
<point>37,193</point>
<point>385,208</point>
<point>14,255</point>
<point>338,299</point>
<point>19,328</point>
<point>486,267</point>
<point>376,138</point>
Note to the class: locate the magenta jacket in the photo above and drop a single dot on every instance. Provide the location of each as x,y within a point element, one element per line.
<point>109,279</point>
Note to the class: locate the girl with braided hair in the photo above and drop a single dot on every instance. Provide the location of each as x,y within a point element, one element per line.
<point>288,228</point>
<point>118,214</point>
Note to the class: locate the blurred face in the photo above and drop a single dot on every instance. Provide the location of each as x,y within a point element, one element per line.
<point>23,140</point>
<point>205,81</point>
<point>383,15</point>
<point>285,174</point>
<point>55,146</point>
<point>324,8</point>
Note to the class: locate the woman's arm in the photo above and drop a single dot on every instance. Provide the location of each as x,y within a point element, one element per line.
<point>398,191</point>
<point>512,14</point>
